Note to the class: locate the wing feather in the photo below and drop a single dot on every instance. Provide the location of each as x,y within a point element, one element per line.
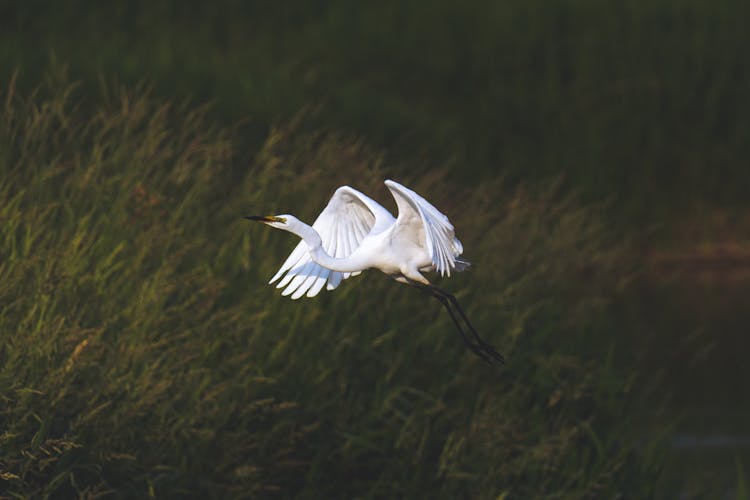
<point>294,271</point>
<point>421,221</point>
<point>319,283</point>
<point>342,225</point>
<point>298,277</point>
<point>309,282</point>
<point>297,254</point>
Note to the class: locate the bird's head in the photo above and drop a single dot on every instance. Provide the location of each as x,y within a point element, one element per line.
<point>278,221</point>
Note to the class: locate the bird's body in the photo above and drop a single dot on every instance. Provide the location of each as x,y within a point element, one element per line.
<point>354,233</point>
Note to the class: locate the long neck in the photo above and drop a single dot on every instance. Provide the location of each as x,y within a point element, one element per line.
<point>315,247</point>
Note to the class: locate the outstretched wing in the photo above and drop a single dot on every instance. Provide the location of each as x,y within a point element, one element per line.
<point>427,227</point>
<point>342,225</point>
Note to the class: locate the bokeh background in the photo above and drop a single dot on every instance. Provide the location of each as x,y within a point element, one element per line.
<point>593,157</point>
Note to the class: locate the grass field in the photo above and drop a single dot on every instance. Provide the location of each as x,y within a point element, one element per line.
<point>147,358</point>
<point>144,356</point>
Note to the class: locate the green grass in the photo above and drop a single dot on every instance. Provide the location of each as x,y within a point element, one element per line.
<point>641,102</point>
<point>144,355</point>
<point>120,230</point>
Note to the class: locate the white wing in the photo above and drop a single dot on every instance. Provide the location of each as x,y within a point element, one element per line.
<point>342,225</point>
<point>427,227</point>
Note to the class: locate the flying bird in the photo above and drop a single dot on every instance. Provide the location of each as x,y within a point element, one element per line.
<point>354,233</point>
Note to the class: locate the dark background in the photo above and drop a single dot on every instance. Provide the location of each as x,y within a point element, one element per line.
<point>638,108</point>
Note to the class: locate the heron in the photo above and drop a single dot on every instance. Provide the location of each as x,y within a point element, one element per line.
<point>354,233</point>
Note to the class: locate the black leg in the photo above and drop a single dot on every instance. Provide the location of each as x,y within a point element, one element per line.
<point>480,348</point>
<point>475,348</point>
<point>487,348</point>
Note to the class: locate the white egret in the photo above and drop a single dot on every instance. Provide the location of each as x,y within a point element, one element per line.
<point>354,233</point>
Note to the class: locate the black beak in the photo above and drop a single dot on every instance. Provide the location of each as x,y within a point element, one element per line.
<point>259,218</point>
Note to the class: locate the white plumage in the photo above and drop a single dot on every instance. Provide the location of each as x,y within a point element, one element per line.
<point>354,233</point>
<point>351,218</point>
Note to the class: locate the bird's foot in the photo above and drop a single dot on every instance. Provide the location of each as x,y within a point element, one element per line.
<point>487,352</point>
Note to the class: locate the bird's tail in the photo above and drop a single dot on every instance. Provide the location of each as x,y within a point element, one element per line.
<point>462,265</point>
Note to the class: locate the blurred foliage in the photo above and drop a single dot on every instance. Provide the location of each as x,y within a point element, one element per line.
<point>143,356</point>
<point>641,102</point>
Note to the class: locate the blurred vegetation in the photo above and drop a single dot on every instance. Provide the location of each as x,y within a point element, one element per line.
<point>642,102</point>
<point>144,357</point>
